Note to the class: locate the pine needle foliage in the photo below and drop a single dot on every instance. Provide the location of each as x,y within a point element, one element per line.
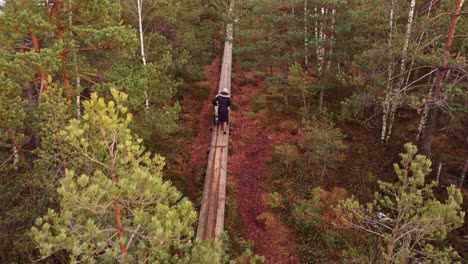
<point>118,183</point>
<point>406,217</point>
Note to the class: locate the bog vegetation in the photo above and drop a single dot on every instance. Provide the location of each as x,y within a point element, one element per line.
<point>90,104</point>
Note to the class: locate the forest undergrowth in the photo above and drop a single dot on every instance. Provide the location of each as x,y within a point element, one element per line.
<point>298,193</point>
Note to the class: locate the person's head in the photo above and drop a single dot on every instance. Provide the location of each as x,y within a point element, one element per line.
<point>225,90</point>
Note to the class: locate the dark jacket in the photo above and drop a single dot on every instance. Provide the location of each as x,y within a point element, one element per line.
<point>223,101</point>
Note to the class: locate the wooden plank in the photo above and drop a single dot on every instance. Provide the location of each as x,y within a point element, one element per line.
<point>222,189</point>
<point>211,220</point>
<point>208,176</point>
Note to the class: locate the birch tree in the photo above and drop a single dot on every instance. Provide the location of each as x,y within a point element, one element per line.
<point>395,98</point>
<point>320,50</point>
<point>306,36</point>
<point>75,68</point>
<point>142,43</point>
<point>325,34</point>
<point>326,51</point>
<point>391,65</point>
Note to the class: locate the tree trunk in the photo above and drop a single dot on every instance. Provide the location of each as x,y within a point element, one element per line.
<point>439,170</point>
<point>306,41</point>
<point>284,51</point>
<point>285,85</point>
<point>78,80</point>
<point>322,174</point>
<point>462,178</point>
<point>115,198</point>
<point>15,157</point>
<point>78,97</point>
<point>386,104</point>
<point>18,151</point>
<point>316,34</point>
<point>66,81</point>
<point>142,44</point>
<point>392,242</point>
<point>395,102</point>
<point>326,52</point>
<point>320,45</point>
<point>404,53</point>
<point>430,8</point>
<point>441,72</point>
<point>37,49</point>
<point>304,100</point>
<point>321,101</point>
<point>140,31</point>
<point>332,35</point>
<point>421,37</point>
<point>423,121</point>
<point>118,218</point>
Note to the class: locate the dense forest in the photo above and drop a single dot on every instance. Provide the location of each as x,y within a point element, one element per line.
<point>349,130</point>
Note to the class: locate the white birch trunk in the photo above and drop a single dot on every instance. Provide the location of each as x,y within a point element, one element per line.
<point>316,33</point>
<point>386,104</point>
<point>78,82</point>
<point>15,157</point>
<point>404,53</point>
<point>140,31</point>
<point>420,38</point>
<point>322,174</point>
<point>396,100</point>
<point>419,43</point>
<point>332,36</point>
<point>430,8</point>
<point>439,170</point>
<point>78,97</point>
<point>306,41</point>
<point>142,44</point>
<point>422,122</point>
<point>321,47</point>
<point>322,35</point>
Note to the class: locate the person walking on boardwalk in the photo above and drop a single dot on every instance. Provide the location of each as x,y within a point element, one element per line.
<point>223,102</point>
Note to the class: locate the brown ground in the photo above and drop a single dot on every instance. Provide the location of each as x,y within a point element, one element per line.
<point>252,146</point>
<point>202,141</point>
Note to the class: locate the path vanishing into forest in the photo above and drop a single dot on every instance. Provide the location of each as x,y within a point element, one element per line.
<point>272,239</point>
<point>211,219</point>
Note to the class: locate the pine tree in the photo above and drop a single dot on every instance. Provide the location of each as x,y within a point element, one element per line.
<point>431,108</point>
<point>54,51</point>
<point>15,179</point>
<point>115,206</point>
<point>405,216</point>
<point>323,143</point>
<point>12,117</point>
<point>297,81</point>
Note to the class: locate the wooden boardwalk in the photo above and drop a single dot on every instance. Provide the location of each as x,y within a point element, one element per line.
<point>211,219</point>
